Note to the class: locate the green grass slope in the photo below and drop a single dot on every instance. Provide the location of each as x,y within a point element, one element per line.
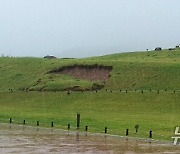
<point>117,111</point>
<point>156,70</point>
<point>152,110</point>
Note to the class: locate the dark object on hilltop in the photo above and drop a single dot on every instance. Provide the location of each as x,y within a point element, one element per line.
<point>177,46</point>
<point>67,58</point>
<point>171,49</point>
<point>158,49</point>
<point>50,57</point>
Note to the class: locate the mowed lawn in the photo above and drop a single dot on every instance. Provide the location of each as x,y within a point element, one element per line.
<point>117,111</point>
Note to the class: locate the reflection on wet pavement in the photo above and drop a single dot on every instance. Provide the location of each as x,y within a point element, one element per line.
<point>21,139</point>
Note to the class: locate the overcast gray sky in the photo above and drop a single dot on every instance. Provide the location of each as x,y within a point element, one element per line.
<point>82,28</point>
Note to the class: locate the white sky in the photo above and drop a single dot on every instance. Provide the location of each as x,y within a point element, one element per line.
<point>81,28</point>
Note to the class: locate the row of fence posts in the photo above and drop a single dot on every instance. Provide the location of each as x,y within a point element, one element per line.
<point>126,91</point>
<point>150,90</point>
<point>86,127</point>
<point>142,91</point>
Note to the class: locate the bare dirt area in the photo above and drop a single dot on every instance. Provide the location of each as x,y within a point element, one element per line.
<point>88,72</point>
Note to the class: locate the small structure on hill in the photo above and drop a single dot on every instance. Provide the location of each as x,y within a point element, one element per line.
<point>172,49</point>
<point>178,46</point>
<point>158,49</point>
<point>49,57</point>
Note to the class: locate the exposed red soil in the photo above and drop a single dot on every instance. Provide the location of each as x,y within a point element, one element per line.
<point>88,72</point>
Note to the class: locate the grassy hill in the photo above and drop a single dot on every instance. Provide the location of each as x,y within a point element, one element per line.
<point>46,97</point>
<point>156,70</point>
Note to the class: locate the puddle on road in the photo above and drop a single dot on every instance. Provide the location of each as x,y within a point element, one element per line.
<point>23,139</point>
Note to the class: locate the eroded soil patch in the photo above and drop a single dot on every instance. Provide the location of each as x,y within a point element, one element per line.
<point>88,72</point>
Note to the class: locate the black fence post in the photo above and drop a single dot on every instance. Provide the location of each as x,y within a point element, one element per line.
<point>24,122</point>
<point>127,132</point>
<point>68,92</point>
<point>136,127</point>
<point>105,131</point>
<point>52,124</point>
<point>86,128</point>
<point>37,123</point>
<point>10,120</point>
<point>69,126</point>
<point>150,134</point>
<point>78,121</point>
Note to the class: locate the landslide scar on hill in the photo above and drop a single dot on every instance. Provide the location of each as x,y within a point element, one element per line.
<point>88,72</point>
